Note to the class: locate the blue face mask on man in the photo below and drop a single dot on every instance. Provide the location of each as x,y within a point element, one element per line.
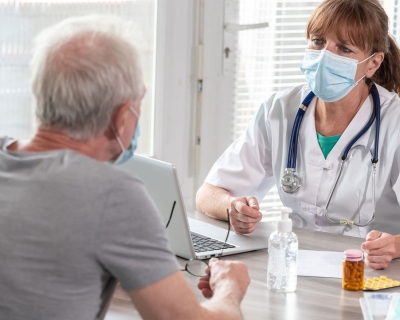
<point>127,154</point>
<point>329,76</point>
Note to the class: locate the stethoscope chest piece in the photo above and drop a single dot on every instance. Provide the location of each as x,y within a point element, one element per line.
<point>290,182</point>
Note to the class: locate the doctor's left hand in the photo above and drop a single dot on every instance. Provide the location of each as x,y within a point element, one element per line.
<point>380,249</point>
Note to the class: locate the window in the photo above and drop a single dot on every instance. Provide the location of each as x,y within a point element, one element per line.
<point>268,59</point>
<point>395,19</point>
<point>22,20</point>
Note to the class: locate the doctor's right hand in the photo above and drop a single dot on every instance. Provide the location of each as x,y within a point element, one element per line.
<point>244,214</point>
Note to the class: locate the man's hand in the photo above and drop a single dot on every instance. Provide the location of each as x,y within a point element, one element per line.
<point>380,249</point>
<point>244,214</point>
<point>225,277</point>
<point>204,286</point>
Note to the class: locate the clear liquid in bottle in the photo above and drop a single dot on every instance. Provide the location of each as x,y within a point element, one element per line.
<point>282,260</point>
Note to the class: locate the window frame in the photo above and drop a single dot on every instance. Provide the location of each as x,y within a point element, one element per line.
<point>175,89</point>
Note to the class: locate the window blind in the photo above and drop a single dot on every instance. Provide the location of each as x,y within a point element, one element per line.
<point>21,21</point>
<point>268,60</point>
<point>395,21</point>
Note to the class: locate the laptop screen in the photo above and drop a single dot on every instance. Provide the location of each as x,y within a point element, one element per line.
<point>161,182</point>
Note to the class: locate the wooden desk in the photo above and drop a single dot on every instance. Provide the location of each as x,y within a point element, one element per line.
<point>315,298</point>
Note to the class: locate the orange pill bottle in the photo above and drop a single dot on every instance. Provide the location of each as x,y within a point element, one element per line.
<point>353,270</point>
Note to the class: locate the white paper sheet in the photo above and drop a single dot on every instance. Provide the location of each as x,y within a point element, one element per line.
<point>325,264</point>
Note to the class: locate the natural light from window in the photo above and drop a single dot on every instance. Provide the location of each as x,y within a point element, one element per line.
<point>22,20</point>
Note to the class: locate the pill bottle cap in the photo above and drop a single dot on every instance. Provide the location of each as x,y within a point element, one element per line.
<point>285,224</point>
<point>353,255</point>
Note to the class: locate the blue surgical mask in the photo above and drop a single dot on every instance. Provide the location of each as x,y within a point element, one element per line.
<point>127,154</point>
<point>329,76</point>
<point>134,141</point>
<point>124,156</point>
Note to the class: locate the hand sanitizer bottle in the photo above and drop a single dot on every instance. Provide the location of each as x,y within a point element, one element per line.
<point>282,262</point>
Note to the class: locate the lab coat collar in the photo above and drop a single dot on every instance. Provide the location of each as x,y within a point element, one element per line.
<point>359,120</point>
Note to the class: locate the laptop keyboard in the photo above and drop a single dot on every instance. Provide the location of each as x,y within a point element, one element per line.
<point>202,243</point>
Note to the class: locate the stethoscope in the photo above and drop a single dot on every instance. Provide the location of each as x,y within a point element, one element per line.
<point>290,182</point>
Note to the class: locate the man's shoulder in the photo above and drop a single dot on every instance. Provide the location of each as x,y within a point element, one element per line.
<point>96,170</point>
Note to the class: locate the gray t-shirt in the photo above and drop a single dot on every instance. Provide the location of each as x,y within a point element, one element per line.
<point>68,224</point>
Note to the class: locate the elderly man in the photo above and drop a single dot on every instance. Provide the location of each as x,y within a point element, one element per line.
<point>69,220</point>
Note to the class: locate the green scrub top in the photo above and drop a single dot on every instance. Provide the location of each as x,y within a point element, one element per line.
<point>327,143</point>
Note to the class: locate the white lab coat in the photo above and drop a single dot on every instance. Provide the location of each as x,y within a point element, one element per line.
<point>256,161</point>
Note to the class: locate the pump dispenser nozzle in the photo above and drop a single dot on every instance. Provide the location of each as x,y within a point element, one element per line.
<point>285,224</point>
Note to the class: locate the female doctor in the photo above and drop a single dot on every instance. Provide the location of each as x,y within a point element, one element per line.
<point>331,146</point>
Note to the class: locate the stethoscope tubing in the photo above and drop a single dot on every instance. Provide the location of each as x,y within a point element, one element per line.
<point>374,116</point>
<point>377,106</point>
<point>292,154</point>
<point>291,163</point>
<point>293,143</point>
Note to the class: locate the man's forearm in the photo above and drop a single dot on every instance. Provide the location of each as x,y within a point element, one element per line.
<point>225,304</point>
<point>172,298</point>
<point>220,310</point>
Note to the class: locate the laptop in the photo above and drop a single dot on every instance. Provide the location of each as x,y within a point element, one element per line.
<point>189,238</point>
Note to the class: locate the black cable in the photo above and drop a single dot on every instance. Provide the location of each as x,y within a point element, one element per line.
<point>170,216</point>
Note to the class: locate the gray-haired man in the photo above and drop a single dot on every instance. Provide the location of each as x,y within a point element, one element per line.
<point>69,221</point>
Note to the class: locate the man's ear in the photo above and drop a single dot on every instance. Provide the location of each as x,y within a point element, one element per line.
<point>119,118</point>
<point>374,63</point>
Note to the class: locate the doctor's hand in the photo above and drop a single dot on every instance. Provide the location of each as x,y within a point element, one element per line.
<point>380,249</point>
<point>244,214</point>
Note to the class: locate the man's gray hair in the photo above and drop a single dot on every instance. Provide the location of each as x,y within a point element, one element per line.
<point>83,69</point>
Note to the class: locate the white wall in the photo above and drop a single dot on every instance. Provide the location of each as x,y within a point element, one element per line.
<point>217,99</point>
<point>191,31</point>
<point>174,94</point>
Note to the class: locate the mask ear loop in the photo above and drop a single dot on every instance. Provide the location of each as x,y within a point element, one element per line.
<point>360,79</point>
<point>118,139</point>
<point>367,58</point>
<point>115,131</point>
<point>134,112</point>
<point>362,62</point>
